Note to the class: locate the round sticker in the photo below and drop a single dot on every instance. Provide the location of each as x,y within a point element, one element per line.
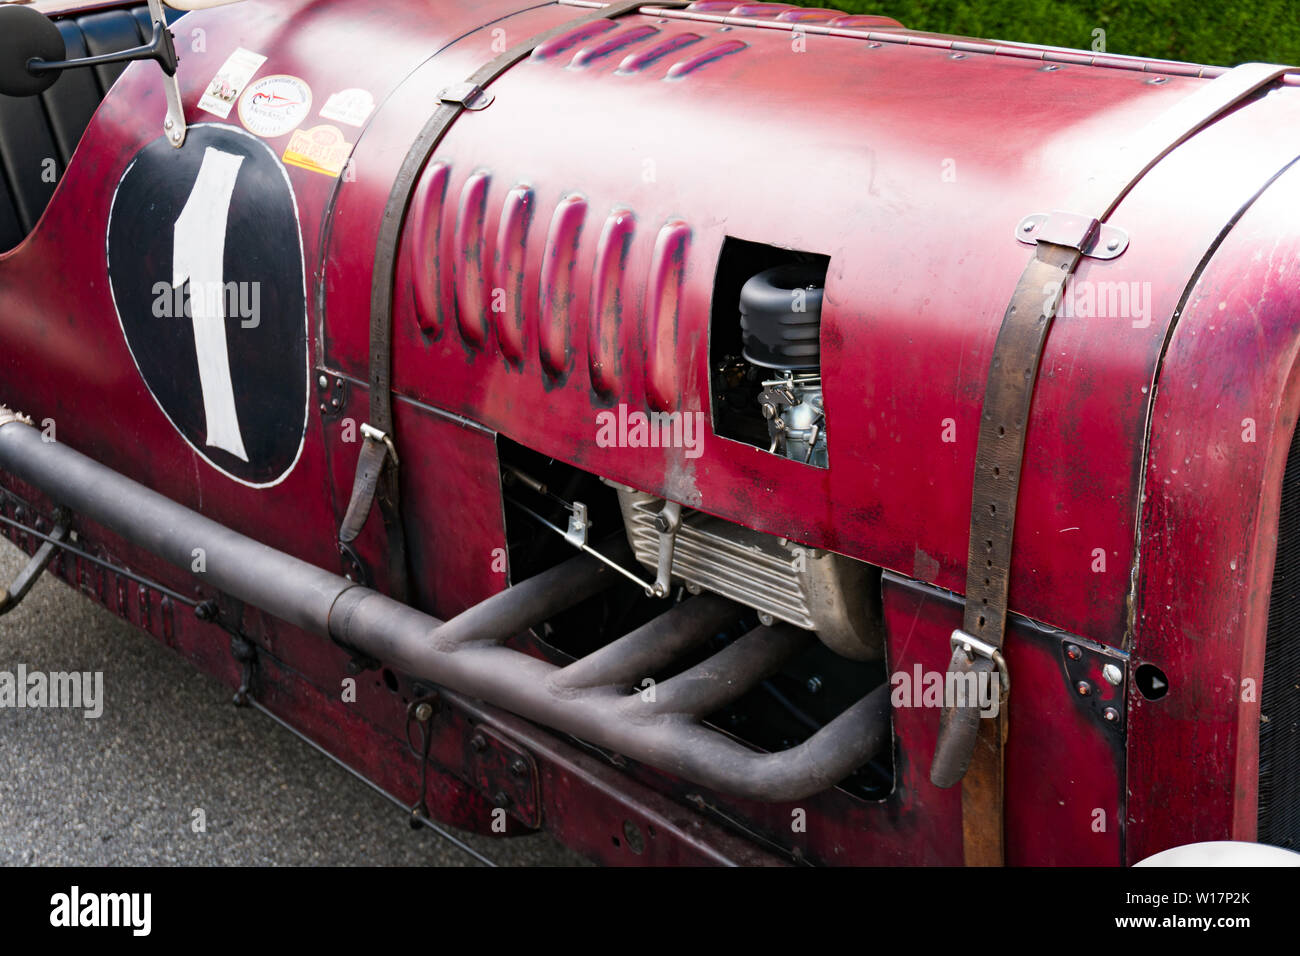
<point>275,105</point>
<point>205,266</point>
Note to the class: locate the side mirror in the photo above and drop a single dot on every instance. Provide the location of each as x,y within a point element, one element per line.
<point>27,37</point>
<point>32,57</point>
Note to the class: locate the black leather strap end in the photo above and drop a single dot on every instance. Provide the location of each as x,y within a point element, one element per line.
<point>370,465</point>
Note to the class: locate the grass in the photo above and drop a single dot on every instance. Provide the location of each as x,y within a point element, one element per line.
<point>1218,33</point>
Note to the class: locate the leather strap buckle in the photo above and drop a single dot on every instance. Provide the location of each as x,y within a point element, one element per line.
<point>374,434</point>
<point>973,647</point>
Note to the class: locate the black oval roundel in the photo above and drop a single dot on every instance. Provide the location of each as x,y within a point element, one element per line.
<point>206,269</point>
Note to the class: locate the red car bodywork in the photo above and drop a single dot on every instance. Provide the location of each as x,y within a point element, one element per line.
<point>1147,521</point>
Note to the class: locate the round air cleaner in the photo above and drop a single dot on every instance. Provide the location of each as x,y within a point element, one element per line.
<point>780,317</point>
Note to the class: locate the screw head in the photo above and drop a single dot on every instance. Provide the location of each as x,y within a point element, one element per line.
<point>519,766</point>
<point>1072,652</point>
<point>766,619</point>
<point>478,742</point>
<point>501,799</point>
<point>323,382</point>
<point>1113,674</point>
<point>814,685</point>
<point>1084,688</point>
<point>1113,245</point>
<point>1027,226</point>
<point>1111,714</point>
<point>423,712</point>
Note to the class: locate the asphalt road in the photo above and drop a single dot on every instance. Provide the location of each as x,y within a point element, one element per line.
<point>121,789</point>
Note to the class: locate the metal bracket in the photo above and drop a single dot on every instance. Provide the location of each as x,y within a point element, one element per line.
<point>332,394</point>
<point>420,712</point>
<point>245,652</point>
<point>578,525</point>
<point>13,595</point>
<point>468,96</point>
<point>667,521</point>
<point>577,517</point>
<point>174,124</point>
<point>1095,678</point>
<point>1096,240</point>
<point>227,613</point>
<point>354,569</point>
<point>506,773</point>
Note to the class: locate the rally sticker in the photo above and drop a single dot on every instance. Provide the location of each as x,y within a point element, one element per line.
<point>274,105</point>
<point>322,149</point>
<point>230,81</point>
<point>348,106</point>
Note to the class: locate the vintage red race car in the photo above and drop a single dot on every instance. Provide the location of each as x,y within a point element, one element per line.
<point>712,432</point>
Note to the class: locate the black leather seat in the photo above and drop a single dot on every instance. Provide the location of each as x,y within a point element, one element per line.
<point>38,134</point>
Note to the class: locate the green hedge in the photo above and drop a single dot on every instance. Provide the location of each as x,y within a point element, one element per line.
<point>1201,32</point>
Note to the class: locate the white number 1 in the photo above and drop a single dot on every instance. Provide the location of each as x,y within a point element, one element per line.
<point>199,249</point>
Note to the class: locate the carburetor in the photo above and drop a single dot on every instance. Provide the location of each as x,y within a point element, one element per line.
<point>780,320</point>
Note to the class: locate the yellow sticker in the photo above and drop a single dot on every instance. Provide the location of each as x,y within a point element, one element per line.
<point>322,149</point>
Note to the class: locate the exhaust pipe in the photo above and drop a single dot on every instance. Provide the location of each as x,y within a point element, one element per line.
<point>589,699</point>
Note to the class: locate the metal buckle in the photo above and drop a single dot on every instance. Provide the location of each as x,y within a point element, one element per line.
<point>972,646</point>
<point>374,434</point>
